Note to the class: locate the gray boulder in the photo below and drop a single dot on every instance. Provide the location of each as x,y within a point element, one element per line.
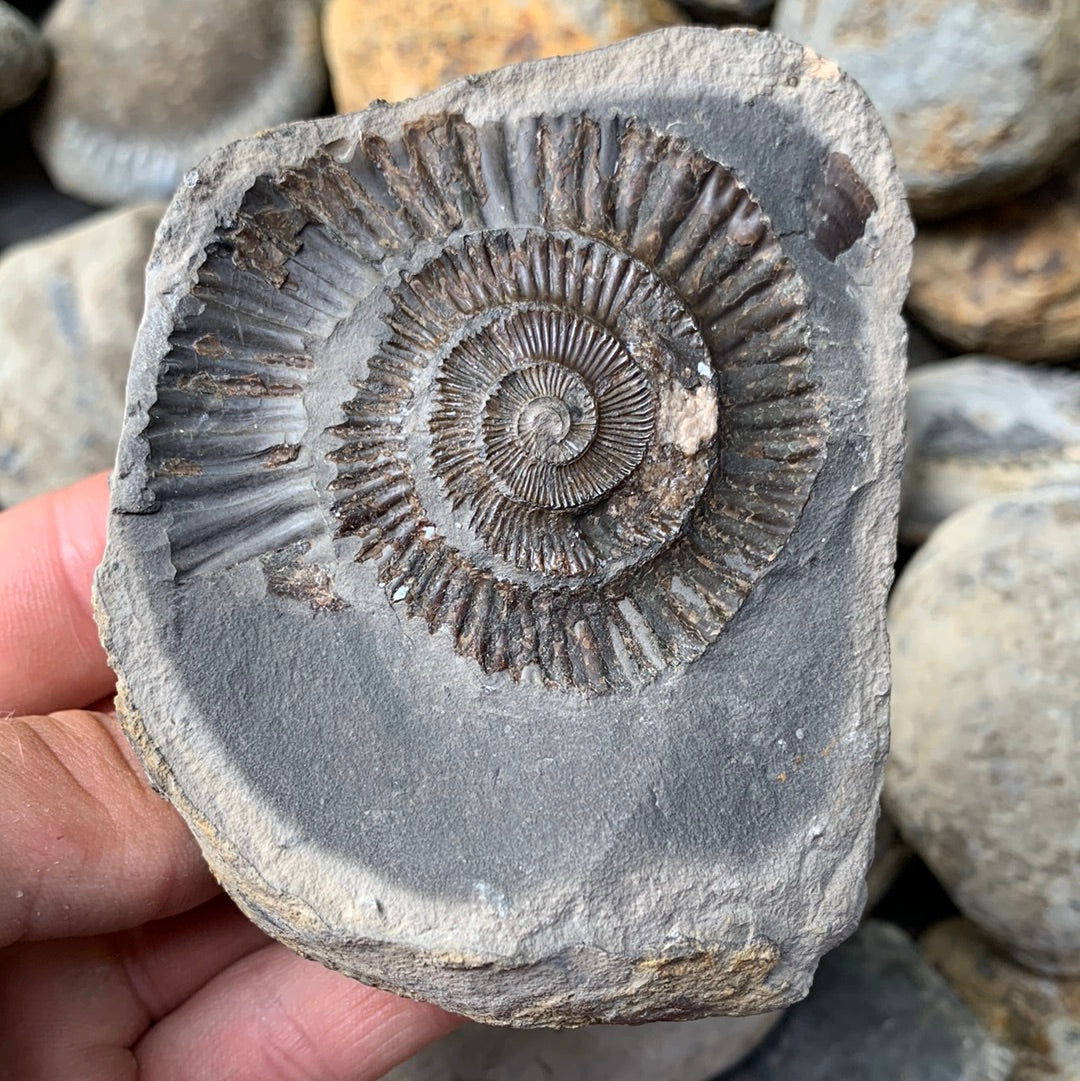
<point>464,580</point>
<point>984,776</point>
<point>1006,280</point>
<point>70,305</point>
<point>143,89</point>
<point>981,98</point>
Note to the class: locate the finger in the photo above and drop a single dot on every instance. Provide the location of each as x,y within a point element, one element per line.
<point>86,847</point>
<point>74,1007</point>
<point>276,1017</point>
<point>50,656</point>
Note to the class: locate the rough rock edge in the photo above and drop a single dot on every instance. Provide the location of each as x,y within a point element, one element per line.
<point>757,960</point>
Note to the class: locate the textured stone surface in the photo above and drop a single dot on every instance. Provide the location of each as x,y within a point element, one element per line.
<point>24,60</point>
<point>421,47</point>
<point>981,97</point>
<point>984,776</point>
<point>69,308</point>
<point>142,89</point>
<point>979,426</point>
<point>1035,1015</point>
<point>878,1010</point>
<point>476,670</point>
<point>663,1051</point>
<point>1006,281</point>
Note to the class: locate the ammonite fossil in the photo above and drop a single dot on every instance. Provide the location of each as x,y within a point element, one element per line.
<point>502,527</point>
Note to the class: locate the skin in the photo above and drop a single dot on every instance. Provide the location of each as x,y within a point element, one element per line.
<point>120,958</point>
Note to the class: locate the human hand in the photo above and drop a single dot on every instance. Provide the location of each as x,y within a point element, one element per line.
<point>119,956</point>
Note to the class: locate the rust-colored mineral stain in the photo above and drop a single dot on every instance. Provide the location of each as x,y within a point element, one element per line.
<point>180,467</point>
<point>416,49</point>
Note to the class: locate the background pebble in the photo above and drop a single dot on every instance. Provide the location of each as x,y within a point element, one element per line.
<point>980,426</point>
<point>1006,281</point>
<point>70,305</point>
<point>378,49</point>
<point>143,89</point>
<point>984,774</point>
<point>981,97</point>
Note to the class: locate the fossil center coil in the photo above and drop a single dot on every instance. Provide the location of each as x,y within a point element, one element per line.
<point>590,424</point>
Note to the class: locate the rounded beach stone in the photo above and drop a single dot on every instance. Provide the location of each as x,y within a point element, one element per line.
<point>142,89</point>
<point>1006,281</point>
<point>378,49</point>
<point>24,59</point>
<point>981,98</point>
<point>1037,1016</point>
<point>663,1051</point>
<point>69,308</point>
<point>473,631</point>
<point>983,775</point>
<point>981,426</point>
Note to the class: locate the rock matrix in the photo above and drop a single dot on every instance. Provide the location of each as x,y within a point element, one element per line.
<point>525,385</point>
<point>878,1010</point>
<point>142,89</point>
<point>434,41</point>
<point>984,775</point>
<point>980,426</point>
<point>70,305</point>
<point>1006,281</point>
<point>1037,1016</point>
<point>24,60</point>
<point>663,1051</point>
<point>981,98</point>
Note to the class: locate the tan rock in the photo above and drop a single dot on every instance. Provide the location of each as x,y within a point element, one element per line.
<point>984,775</point>
<point>383,49</point>
<point>1006,281</point>
<point>1039,1017</point>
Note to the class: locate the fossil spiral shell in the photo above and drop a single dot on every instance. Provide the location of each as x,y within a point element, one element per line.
<point>590,423</point>
<point>503,524</point>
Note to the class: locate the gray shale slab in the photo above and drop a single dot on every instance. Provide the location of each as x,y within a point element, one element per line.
<point>503,523</point>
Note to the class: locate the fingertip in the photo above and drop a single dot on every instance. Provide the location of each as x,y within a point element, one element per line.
<point>50,655</point>
<point>274,1014</point>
